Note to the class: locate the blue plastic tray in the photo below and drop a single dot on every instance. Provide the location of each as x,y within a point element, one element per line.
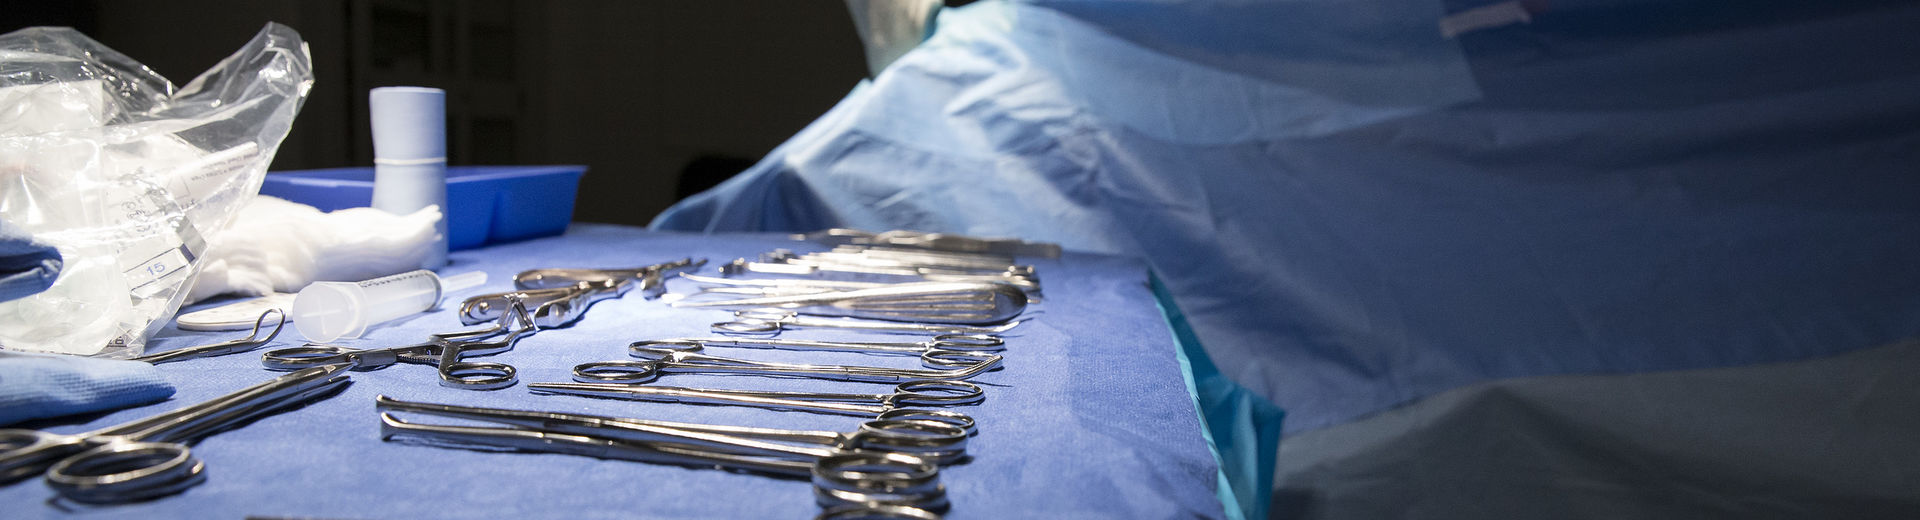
<point>486,204</point>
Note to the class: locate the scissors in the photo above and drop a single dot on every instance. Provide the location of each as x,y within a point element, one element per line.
<point>942,352</point>
<point>772,321</point>
<point>656,361</point>
<point>148,457</point>
<point>914,393</point>
<point>557,297</point>
<point>966,303</point>
<point>252,341</point>
<point>445,350</point>
<point>841,477</point>
<point>938,441</point>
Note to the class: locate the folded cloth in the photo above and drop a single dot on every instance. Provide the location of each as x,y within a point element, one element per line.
<point>34,386</point>
<point>26,266</point>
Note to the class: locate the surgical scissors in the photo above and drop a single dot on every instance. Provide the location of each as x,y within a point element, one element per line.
<point>772,321</point>
<point>444,350</point>
<point>968,303</point>
<point>252,341</point>
<point>841,477</point>
<point>657,361</point>
<point>943,351</point>
<point>938,441</point>
<point>147,458</point>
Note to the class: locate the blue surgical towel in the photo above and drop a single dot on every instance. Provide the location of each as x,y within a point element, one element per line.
<point>26,266</point>
<point>36,386</point>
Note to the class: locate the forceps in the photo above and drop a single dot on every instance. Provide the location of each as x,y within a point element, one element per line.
<point>943,351</point>
<point>940,442</point>
<point>445,350</point>
<point>969,303</point>
<point>841,477</point>
<point>772,321</point>
<point>914,393</point>
<point>657,361</point>
<point>147,458</point>
<point>252,341</point>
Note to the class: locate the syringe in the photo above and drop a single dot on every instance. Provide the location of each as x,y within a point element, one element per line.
<point>327,311</point>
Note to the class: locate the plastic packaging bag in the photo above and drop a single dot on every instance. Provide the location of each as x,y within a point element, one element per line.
<point>126,175</point>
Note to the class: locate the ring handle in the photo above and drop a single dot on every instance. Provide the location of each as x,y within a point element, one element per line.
<point>936,393</point>
<point>969,342</point>
<point>943,359</point>
<point>746,326</point>
<point>940,442</point>
<point>476,375</point>
<point>765,314</point>
<point>876,512</point>
<point>877,477</point>
<point>308,356</point>
<point>955,419</point>
<point>628,372</point>
<point>126,471</point>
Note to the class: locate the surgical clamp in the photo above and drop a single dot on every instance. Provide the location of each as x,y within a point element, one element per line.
<point>939,441</point>
<point>556,297</point>
<point>656,361</point>
<point>913,393</point>
<point>841,477</point>
<point>943,351</point>
<point>933,241</point>
<point>968,303</point>
<point>444,350</point>
<point>772,321</point>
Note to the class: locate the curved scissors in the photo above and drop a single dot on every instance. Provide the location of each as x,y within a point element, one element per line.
<point>444,350</point>
<point>685,359</point>
<point>841,477</point>
<point>147,458</point>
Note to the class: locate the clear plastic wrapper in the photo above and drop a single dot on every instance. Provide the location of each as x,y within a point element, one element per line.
<point>127,175</point>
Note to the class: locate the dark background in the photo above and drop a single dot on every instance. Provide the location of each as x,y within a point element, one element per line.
<point>658,99</point>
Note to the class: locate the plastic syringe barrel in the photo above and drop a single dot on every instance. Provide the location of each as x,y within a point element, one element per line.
<point>326,311</point>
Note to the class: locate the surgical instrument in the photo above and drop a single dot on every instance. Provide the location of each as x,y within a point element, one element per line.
<point>943,443</point>
<point>933,241</point>
<point>840,477</point>
<point>651,278</point>
<point>742,398</point>
<point>656,361</point>
<point>892,257</point>
<point>444,350</point>
<point>968,303</point>
<point>252,341</point>
<point>556,297</point>
<point>772,321</point>
<point>147,458</point>
<point>1022,279</point>
<point>943,351</point>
